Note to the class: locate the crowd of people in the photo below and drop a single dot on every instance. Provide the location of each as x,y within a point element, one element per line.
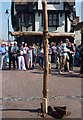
<point>64,56</point>
<point>22,57</point>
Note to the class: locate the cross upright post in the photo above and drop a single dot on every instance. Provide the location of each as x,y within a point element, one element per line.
<point>46,66</point>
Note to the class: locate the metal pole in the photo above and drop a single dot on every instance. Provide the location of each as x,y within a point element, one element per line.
<point>46,66</point>
<point>8,29</point>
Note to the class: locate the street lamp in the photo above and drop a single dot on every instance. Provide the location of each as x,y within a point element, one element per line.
<point>7,12</point>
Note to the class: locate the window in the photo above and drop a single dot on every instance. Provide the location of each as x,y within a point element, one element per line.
<point>53,19</point>
<point>28,18</point>
<point>53,1</point>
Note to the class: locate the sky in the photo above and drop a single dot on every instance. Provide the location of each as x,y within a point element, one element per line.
<point>78,8</point>
<point>4,19</point>
<point>6,4</point>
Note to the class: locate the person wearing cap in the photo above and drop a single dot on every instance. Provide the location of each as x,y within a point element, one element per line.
<point>2,55</point>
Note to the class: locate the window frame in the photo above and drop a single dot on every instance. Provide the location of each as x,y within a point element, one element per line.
<point>53,20</point>
<point>57,20</point>
<point>50,2</point>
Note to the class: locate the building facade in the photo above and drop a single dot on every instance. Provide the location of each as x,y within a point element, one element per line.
<point>28,16</point>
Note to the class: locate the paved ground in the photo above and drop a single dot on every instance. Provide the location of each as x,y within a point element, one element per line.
<point>22,92</point>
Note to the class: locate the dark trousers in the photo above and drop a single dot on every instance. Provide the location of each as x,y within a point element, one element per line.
<point>26,60</point>
<point>15,59</point>
<point>41,62</point>
<point>10,59</point>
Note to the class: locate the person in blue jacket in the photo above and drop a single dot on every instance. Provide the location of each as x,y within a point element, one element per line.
<point>2,55</point>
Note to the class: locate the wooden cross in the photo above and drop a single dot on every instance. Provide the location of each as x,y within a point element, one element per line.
<point>45,34</point>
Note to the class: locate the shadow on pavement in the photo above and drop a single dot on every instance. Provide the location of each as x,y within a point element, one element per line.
<point>67,75</point>
<point>37,72</point>
<point>14,109</point>
<point>64,74</point>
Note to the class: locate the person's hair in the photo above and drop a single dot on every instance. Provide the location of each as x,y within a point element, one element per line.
<point>20,45</point>
<point>52,44</point>
<point>66,40</point>
<point>29,46</point>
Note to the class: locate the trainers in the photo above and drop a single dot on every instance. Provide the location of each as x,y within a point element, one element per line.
<point>24,69</point>
<point>71,72</point>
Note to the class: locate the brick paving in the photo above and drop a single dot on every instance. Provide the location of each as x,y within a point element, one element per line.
<point>22,92</point>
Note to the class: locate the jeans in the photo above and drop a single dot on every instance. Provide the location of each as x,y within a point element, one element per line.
<point>2,61</point>
<point>72,62</point>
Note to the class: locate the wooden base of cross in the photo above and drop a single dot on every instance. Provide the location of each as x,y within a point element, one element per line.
<point>57,112</point>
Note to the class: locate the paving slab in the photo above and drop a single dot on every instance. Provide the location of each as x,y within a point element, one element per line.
<point>22,92</point>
